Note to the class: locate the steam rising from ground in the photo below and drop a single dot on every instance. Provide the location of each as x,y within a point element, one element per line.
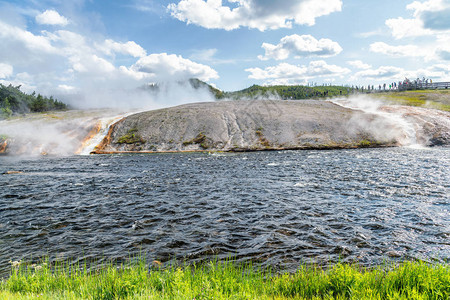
<point>78,132</point>
<point>166,95</point>
<point>408,126</point>
<point>387,127</point>
<point>59,133</point>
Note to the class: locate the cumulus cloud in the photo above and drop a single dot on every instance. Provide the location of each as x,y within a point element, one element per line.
<point>404,50</point>
<point>429,52</point>
<point>5,70</point>
<point>436,20</point>
<point>291,74</point>
<point>24,39</point>
<point>51,17</point>
<point>259,14</point>
<point>110,47</point>
<point>300,46</point>
<point>170,67</point>
<point>384,72</point>
<point>401,27</point>
<point>441,68</point>
<point>359,64</point>
<point>392,74</point>
<point>83,70</point>
<point>429,17</point>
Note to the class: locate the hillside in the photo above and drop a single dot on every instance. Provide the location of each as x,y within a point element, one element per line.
<point>285,92</point>
<point>13,101</point>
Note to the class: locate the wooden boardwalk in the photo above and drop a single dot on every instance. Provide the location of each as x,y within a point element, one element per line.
<point>424,86</point>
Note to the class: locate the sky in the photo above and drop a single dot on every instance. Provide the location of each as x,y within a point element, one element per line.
<point>67,47</point>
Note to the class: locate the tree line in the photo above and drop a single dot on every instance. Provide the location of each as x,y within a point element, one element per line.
<point>286,92</point>
<point>13,101</point>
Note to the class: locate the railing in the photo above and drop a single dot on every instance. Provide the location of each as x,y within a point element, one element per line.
<point>418,85</point>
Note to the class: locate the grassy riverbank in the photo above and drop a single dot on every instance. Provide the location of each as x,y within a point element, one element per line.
<point>409,280</point>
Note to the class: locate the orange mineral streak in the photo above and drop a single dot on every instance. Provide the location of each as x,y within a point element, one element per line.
<point>91,134</point>
<point>3,146</point>
<point>100,148</point>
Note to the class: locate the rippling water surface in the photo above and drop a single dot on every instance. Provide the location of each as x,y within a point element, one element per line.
<point>278,208</point>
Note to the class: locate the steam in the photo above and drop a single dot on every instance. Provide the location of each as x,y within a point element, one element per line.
<point>268,95</point>
<point>86,71</point>
<point>138,97</point>
<point>388,125</point>
<point>78,132</point>
<point>61,133</point>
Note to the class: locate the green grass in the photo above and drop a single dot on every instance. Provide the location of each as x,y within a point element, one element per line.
<point>226,280</point>
<point>131,137</point>
<point>437,99</point>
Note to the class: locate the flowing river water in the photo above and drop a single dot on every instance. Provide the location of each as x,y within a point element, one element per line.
<point>275,208</point>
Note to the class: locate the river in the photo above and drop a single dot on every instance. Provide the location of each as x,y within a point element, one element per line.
<point>274,208</point>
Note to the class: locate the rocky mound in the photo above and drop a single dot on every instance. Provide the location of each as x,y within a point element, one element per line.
<point>248,126</point>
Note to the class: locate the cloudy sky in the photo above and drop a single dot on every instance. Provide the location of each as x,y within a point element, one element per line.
<point>64,46</point>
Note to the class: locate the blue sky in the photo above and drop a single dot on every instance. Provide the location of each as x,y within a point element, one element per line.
<point>63,47</point>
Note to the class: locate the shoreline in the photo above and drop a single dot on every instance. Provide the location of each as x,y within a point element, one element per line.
<point>225,280</point>
<point>297,148</point>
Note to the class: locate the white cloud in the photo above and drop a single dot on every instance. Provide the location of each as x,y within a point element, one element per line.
<point>430,5</point>
<point>66,88</point>
<point>92,64</point>
<point>382,73</point>
<point>204,55</point>
<point>292,74</point>
<point>165,66</point>
<point>359,64</point>
<point>259,14</point>
<point>441,68</point>
<point>147,6</point>
<point>129,48</point>
<point>5,70</point>
<point>393,74</point>
<point>87,60</point>
<point>434,72</point>
<point>51,17</point>
<point>82,70</point>
<point>24,39</point>
<point>407,27</point>
<point>429,52</point>
<point>430,17</point>
<point>300,46</point>
<point>404,50</point>
<point>209,56</point>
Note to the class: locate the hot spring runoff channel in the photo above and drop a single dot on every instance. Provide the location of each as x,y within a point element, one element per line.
<point>275,208</point>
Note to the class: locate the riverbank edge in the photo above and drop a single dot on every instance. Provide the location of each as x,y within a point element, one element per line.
<point>241,150</point>
<point>225,280</point>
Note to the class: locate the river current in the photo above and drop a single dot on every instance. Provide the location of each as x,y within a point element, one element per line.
<point>275,208</point>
